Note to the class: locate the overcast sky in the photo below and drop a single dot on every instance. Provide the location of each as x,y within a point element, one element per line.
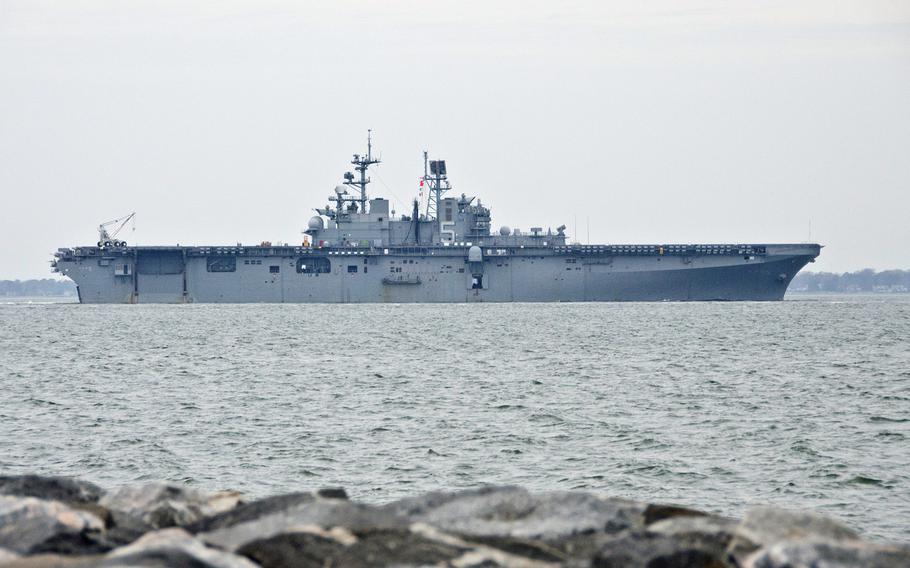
<point>228,121</point>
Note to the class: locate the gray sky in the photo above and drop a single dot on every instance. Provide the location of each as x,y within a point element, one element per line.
<point>661,121</point>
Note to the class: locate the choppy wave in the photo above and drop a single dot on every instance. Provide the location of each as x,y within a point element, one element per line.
<point>799,403</point>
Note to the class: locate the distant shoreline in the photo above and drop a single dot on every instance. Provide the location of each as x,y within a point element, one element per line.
<point>37,288</point>
<point>860,282</point>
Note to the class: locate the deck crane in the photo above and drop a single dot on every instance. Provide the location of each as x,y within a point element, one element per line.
<point>108,240</point>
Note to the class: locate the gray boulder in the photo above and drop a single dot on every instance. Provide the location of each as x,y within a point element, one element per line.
<point>251,511</point>
<point>64,489</point>
<point>658,512</point>
<point>333,493</point>
<point>317,513</point>
<point>829,555</point>
<point>514,512</point>
<point>764,526</point>
<point>638,549</point>
<point>159,505</point>
<point>26,523</point>
<point>316,548</point>
<point>172,547</point>
<point>710,533</point>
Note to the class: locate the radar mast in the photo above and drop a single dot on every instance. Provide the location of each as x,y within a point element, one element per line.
<point>361,164</point>
<point>356,203</point>
<point>434,174</point>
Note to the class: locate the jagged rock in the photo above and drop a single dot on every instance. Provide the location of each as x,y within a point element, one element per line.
<point>649,550</point>
<point>317,548</point>
<point>87,542</point>
<point>158,505</point>
<point>249,511</point>
<point>704,532</point>
<point>75,493</point>
<point>26,522</point>
<point>582,546</point>
<point>333,493</point>
<point>763,526</point>
<point>79,544</point>
<point>318,512</point>
<point>223,501</point>
<point>95,509</point>
<point>65,489</point>
<point>574,549</point>
<point>514,512</point>
<point>480,555</point>
<point>657,512</point>
<point>829,555</point>
<point>172,547</point>
<point>492,526</point>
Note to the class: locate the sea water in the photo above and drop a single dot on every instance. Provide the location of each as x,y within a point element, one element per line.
<point>803,403</point>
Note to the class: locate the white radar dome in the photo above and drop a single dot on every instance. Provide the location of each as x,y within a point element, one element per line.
<point>505,231</point>
<point>475,254</point>
<point>316,223</point>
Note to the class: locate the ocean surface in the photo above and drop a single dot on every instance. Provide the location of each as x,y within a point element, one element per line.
<point>803,403</point>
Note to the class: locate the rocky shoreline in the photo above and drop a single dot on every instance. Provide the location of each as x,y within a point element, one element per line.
<point>55,521</point>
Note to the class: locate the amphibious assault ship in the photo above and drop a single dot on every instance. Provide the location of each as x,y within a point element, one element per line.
<point>356,249</point>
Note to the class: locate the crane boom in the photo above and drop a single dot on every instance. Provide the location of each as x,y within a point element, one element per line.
<point>107,239</point>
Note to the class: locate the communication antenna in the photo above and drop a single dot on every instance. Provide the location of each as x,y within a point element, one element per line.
<point>361,165</point>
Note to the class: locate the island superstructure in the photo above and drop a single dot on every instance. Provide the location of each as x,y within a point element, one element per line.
<point>356,249</point>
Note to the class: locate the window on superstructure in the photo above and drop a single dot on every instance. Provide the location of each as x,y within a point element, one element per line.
<point>274,269</point>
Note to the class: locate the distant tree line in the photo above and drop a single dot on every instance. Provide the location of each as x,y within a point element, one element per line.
<point>886,281</point>
<point>42,287</point>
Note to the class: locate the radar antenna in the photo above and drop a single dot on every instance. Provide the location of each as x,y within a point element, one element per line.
<point>356,202</point>
<point>434,174</point>
<point>361,164</point>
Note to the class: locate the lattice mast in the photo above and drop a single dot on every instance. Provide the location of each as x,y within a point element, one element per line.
<point>434,175</point>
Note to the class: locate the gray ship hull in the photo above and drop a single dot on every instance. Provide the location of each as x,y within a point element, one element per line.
<point>434,274</point>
